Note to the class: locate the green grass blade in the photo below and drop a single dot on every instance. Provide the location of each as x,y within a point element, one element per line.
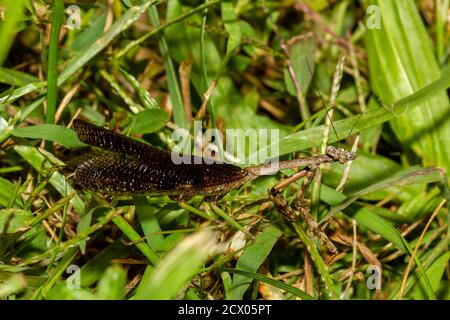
<point>57,180</point>
<point>131,234</point>
<point>170,276</point>
<point>179,116</point>
<point>134,107</point>
<point>149,121</point>
<point>52,91</point>
<point>406,177</point>
<point>434,273</point>
<point>318,262</point>
<point>6,192</point>
<point>429,258</point>
<point>396,53</point>
<point>256,276</point>
<point>50,132</point>
<point>376,224</point>
<point>56,273</point>
<point>149,223</point>
<point>83,57</point>
<point>112,284</point>
<point>123,23</point>
<point>144,95</point>
<point>313,137</point>
<point>250,260</point>
<point>16,78</point>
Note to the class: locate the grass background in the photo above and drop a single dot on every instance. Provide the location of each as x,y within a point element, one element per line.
<point>144,67</point>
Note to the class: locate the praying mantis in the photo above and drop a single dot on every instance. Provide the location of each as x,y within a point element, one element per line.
<point>124,166</point>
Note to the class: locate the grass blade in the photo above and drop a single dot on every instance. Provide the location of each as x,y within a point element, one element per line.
<point>312,137</point>
<point>52,91</point>
<point>50,132</point>
<point>250,260</point>
<point>256,276</point>
<point>396,53</point>
<point>179,115</point>
<point>170,276</point>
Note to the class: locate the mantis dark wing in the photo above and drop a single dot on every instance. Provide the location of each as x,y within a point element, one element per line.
<point>129,167</point>
<point>109,140</point>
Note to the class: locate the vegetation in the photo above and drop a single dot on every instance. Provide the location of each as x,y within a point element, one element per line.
<point>378,69</point>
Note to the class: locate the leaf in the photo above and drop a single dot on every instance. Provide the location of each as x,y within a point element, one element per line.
<point>12,11</point>
<point>365,217</point>
<point>185,45</point>
<point>18,220</point>
<point>376,224</point>
<point>381,168</point>
<point>149,121</point>
<point>50,132</point>
<point>83,57</point>
<point>6,192</point>
<point>88,36</point>
<point>136,238</point>
<point>60,291</point>
<point>52,60</point>
<point>301,54</point>
<point>144,95</point>
<point>82,226</point>
<point>316,5</point>
<point>252,257</point>
<point>62,266</point>
<point>179,115</point>
<point>231,23</point>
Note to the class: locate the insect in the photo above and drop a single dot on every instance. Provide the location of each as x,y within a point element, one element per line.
<point>125,166</point>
